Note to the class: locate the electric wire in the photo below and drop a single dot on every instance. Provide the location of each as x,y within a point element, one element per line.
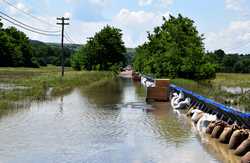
<point>68,38</point>
<point>29,14</point>
<point>23,27</point>
<point>28,26</point>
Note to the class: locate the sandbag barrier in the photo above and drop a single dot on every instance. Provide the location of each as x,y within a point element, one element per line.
<point>225,113</point>
<point>237,138</point>
<point>148,78</point>
<point>231,127</point>
<point>217,123</point>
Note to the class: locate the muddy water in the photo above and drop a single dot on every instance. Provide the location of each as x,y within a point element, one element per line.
<point>111,124</point>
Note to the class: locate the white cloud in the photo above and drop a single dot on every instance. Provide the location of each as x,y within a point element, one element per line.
<point>167,2</point>
<point>67,15</point>
<point>70,1</point>
<point>101,3</point>
<point>134,19</point>
<point>19,5</point>
<point>240,6</point>
<point>234,4</point>
<point>234,38</point>
<point>144,2</point>
<point>134,25</point>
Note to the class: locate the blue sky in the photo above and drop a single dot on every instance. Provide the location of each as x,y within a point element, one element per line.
<point>225,23</point>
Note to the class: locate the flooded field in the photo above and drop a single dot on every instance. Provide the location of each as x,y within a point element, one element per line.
<point>111,124</point>
<point>230,89</point>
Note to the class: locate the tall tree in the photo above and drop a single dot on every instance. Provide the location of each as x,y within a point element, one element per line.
<point>104,50</point>
<point>15,49</point>
<point>174,49</point>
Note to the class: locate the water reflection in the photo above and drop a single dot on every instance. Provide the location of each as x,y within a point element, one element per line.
<point>236,90</point>
<point>112,124</point>
<point>171,126</point>
<point>109,94</point>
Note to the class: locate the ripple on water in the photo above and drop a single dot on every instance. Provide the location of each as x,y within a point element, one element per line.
<point>75,129</point>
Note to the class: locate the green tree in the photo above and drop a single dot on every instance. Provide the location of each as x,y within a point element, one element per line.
<point>15,49</point>
<point>175,49</point>
<point>228,62</point>
<point>104,50</point>
<point>242,66</point>
<point>77,60</point>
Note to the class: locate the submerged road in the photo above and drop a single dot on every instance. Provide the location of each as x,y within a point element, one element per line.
<point>107,125</point>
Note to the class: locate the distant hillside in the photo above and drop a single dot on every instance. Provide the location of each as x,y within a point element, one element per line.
<point>130,55</point>
<point>73,47</point>
<point>50,53</point>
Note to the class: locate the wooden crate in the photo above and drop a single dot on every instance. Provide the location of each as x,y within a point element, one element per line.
<point>157,94</point>
<point>162,82</point>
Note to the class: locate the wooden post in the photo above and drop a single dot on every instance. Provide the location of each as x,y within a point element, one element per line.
<point>160,92</point>
<point>62,39</point>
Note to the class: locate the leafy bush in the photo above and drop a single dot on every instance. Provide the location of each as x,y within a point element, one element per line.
<point>174,49</point>
<point>77,61</point>
<point>103,50</point>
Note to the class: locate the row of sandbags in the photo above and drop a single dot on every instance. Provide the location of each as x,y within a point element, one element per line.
<point>238,139</point>
<point>146,82</point>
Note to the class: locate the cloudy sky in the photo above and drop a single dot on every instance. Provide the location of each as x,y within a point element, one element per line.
<point>225,23</point>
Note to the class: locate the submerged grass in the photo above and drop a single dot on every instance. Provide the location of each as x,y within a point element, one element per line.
<point>37,82</point>
<point>212,89</point>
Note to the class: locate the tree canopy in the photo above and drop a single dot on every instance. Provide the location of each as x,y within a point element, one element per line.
<point>101,52</point>
<point>230,63</point>
<point>16,50</point>
<point>174,49</point>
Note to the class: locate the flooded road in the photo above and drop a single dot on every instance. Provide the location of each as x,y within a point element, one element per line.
<point>111,124</point>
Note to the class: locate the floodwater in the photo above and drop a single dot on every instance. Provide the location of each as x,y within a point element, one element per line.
<point>235,90</point>
<point>111,124</point>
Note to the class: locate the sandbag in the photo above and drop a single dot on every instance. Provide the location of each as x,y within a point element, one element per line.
<point>227,133</point>
<point>246,158</point>
<point>210,127</point>
<point>190,113</point>
<point>218,129</point>
<point>196,117</point>
<point>243,148</point>
<point>237,138</point>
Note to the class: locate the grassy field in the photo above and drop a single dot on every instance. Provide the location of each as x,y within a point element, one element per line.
<point>33,84</point>
<point>212,89</point>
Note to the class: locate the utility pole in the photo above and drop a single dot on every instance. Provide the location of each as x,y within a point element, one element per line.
<point>62,23</point>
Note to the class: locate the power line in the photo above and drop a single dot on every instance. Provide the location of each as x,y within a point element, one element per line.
<point>23,27</point>
<point>29,14</point>
<point>68,38</point>
<point>28,26</point>
<point>69,41</point>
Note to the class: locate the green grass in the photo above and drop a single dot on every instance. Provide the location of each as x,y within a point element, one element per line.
<point>232,80</point>
<point>212,88</point>
<point>38,81</point>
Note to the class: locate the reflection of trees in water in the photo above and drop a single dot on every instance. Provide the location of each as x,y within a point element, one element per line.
<point>218,149</point>
<point>174,129</point>
<point>140,89</point>
<point>108,93</point>
<point>16,107</point>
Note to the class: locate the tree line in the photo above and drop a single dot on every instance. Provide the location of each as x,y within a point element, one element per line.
<point>174,49</point>
<point>230,63</point>
<point>17,50</point>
